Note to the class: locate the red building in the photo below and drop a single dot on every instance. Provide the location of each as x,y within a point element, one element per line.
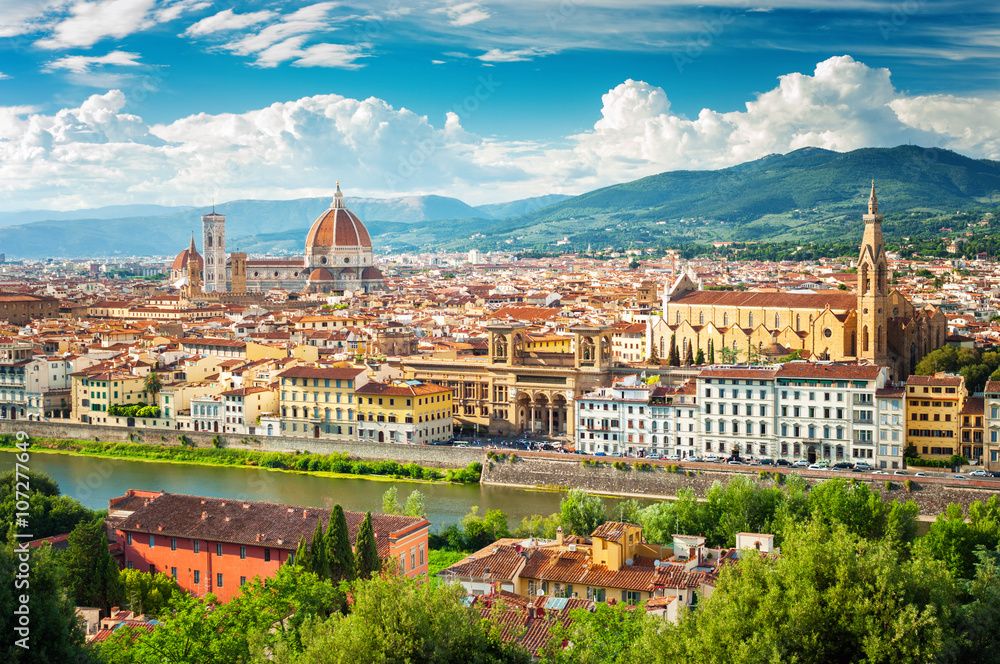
<point>216,544</point>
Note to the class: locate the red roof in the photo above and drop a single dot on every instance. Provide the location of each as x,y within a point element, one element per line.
<point>338,227</point>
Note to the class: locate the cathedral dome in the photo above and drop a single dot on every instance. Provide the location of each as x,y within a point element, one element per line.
<point>338,227</point>
<point>372,273</point>
<point>320,274</point>
<point>181,262</point>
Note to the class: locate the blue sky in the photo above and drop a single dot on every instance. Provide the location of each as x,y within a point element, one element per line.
<point>170,101</point>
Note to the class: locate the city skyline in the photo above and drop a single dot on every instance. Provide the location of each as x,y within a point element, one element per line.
<point>137,101</point>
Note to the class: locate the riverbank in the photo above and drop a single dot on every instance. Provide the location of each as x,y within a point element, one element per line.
<point>332,465</point>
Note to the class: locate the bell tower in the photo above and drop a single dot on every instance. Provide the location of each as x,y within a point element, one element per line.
<point>873,289</point>
<point>214,245</point>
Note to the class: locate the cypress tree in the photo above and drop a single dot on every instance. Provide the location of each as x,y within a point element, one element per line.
<point>688,357</point>
<point>711,352</point>
<point>317,552</point>
<point>675,356</point>
<point>302,555</point>
<point>339,556</point>
<point>699,357</point>
<point>366,561</point>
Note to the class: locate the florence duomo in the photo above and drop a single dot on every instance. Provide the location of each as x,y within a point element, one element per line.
<point>338,257</point>
<point>876,324</point>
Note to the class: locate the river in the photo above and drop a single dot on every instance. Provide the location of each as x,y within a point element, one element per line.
<point>93,480</point>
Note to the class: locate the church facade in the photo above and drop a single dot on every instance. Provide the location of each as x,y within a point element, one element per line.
<point>338,257</point>
<point>875,325</point>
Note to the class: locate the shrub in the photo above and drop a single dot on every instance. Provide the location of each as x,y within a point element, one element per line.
<point>888,485</point>
<point>642,465</point>
<point>908,484</point>
<point>620,465</point>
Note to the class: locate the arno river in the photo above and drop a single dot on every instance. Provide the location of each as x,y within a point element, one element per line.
<point>93,480</point>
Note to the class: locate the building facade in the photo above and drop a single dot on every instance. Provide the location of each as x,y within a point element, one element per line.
<point>875,324</point>
<point>933,414</point>
<point>319,402</point>
<point>407,412</point>
<point>213,545</point>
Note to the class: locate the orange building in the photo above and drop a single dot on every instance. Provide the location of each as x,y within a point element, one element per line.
<point>216,545</point>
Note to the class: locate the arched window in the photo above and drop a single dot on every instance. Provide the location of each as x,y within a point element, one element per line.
<point>725,320</point>
<point>777,322</point>
<point>798,322</point>
<point>208,240</point>
<point>663,346</point>
<point>677,318</point>
<point>701,318</point>
<point>750,319</point>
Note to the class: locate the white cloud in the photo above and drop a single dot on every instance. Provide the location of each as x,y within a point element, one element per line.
<point>516,55</point>
<point>3,76</point>
<point>227,20</point>
<point>99,154</point>
<point>90,22</point>
<point>18,17</point>
<point>464,13</point>
<point>80,64</point>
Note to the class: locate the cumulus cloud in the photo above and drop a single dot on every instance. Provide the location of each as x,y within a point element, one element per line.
<point>99,154</point>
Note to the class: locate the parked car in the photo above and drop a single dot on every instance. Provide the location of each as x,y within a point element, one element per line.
<point>616,454</point>
<point>995,474</point>
<point>921,474</point>
<point>816,466</point>
<point>711,458</point>
<point>863,467</point>
<point>767,462</point>
<point>835,469</point>
<point>674,457</point>
<point>782,462</point>
<point>654,457</point>
<point>879,472</point>
<point>960,477</point>
<point>600,454</point>
<point>754,462</point>
<point>979,473</point>
<point>843,465</point>
<point>900,472</point>
<point>801,463</point>
<point>736,462</point>
<point>695,459</point>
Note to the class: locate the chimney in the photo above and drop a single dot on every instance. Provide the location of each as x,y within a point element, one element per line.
<point>204,515</point>
<point>559,536</point>
<point>531,611</point>
<point>305,513</point>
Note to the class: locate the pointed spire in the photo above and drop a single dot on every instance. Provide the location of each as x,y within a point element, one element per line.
<point>338,199</point>
<point>191,249</point>
<point>872,201</point>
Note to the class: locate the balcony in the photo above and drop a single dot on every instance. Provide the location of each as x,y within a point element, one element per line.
<point>864,400</point>
<point>863,420</point>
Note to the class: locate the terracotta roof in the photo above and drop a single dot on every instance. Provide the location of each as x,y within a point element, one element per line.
<point>949,381</point>
<point>338,227</point>
<point>737,372</point>
<point>837,299</point>
<point>319,372</point>
<point>829,371</point>
<point>973,406</point>
<point>992,386</point>
<point>320,274</point>
<point>400,389</point>
<point>245,522</point>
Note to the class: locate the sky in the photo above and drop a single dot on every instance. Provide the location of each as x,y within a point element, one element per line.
<point>184,102</point>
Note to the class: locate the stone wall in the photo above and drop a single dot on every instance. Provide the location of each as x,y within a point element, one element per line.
<point>532,471</point>
<point>425,455</point>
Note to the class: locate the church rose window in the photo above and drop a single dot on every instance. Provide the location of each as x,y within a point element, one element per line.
<point>323,260</point>
<point>827,332</point>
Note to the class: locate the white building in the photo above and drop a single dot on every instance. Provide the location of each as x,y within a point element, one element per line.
<point>614,419</point>
<point>737,407</point>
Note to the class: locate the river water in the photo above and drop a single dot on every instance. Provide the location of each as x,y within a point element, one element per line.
<point>93,480</point>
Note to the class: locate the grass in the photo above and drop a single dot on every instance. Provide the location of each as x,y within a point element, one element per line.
<point>338,465</point>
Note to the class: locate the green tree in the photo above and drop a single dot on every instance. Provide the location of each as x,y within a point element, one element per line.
<point>688,357</point>
<point>390,501</point>
<point>627,511</point>
<point>318,562</point>
<point>366,560</point>
<point>711,351</point>
<point>415,505</point>
<point>536,525</point>
<point>581,513</point>
<point>147,593</point>
<point>302,555</point>
<point>339,556</point>
<point>152,384</point>
<point>608,634</point>
<point>675,357</point>
<point>699,357</point>
<point>54,633</point>
<point>954,541</point>
<point>683,516</point>
<point>863,511</point>
<point>978,620</point>
<point>829,597</point>
<point>48,512</point>
<point>483,531</point>
<point>397,619</point>
<point>92,574</point>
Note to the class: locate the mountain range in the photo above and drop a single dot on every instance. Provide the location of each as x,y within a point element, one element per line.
<point>808,194</point>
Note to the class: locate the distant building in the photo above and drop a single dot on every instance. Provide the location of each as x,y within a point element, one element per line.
<point>217,545</point>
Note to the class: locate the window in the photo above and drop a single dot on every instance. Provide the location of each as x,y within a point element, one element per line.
<point>218,580</point>
<point>173,573</point>
<point>197,546</point>
<point>128,538</point>
<point>218,549</point>
<point>402,562</point>
<point>243,552</point>
<point>173,543</point>
<point>152,543</point>
<point>267,555</point>
<point>243,581</point>
<point>197,577</point>
<point>631,597</point>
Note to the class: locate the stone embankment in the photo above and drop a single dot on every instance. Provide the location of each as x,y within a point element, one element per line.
<point>932,495</point>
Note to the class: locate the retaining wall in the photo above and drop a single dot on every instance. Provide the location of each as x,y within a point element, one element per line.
<point>931,495</point>
<point>425,455</point>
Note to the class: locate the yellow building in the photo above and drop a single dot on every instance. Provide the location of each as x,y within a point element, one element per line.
<point>628,343</point>
<point>933,414</point>
<point>548,343</point>
<point>404,412</point>
<point>94,391</point>
<point>876,323</point>
<point>319,402</point>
